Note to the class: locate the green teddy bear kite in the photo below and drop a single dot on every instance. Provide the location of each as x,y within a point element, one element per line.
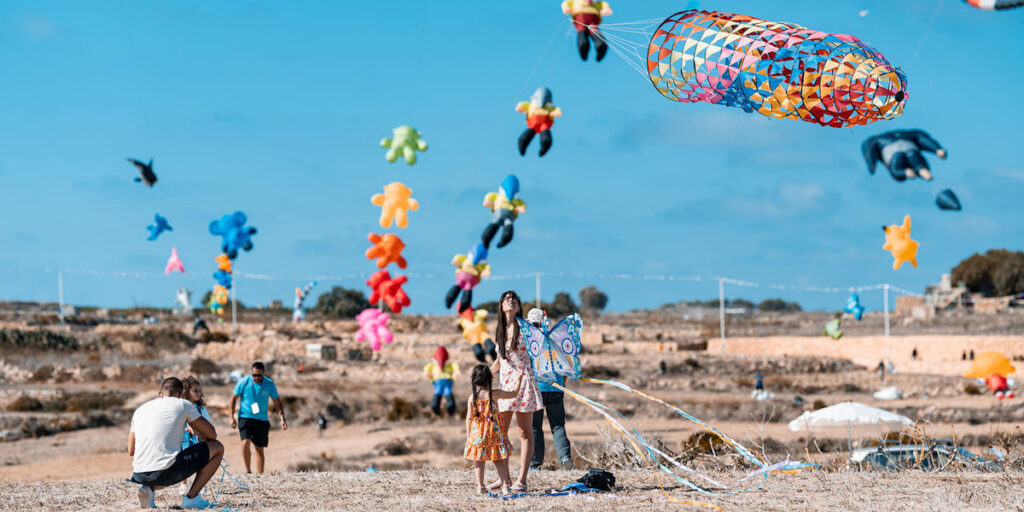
<point>407,140</point>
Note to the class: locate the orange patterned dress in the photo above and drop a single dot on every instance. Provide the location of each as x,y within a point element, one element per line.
<point>486,441</point>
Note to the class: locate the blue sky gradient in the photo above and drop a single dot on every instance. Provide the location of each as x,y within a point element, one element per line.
<point>276,109</point>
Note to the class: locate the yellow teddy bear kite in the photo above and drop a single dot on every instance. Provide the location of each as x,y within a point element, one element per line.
<point>899,243</point>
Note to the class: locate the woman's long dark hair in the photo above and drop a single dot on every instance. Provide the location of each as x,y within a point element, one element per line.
<point>481,378</point>
<point>500,338</point>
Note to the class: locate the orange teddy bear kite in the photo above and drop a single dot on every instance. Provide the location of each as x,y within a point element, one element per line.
<point>899,243</point>
<point>395,202</point>
<point>387,249</point>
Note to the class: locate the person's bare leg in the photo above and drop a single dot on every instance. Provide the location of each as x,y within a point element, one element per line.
<point>246,454</point>
<point>506,478</point>
<point>259,459</point>
<point>204,475</point>
<point>524,420</point>
<point>504,421</point>
<point>480,469</point>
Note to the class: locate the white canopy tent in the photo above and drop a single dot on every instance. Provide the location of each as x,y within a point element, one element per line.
<point>848,414</point>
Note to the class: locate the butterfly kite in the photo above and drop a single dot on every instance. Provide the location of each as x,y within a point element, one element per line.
<point>554,350</point>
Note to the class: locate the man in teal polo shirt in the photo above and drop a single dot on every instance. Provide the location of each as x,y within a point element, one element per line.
<point>256,390</point>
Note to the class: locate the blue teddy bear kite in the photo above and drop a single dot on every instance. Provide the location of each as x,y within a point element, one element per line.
<point>233,232</point>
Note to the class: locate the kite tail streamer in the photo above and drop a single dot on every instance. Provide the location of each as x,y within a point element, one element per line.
<point>784,467</point>
<point>636,440</point>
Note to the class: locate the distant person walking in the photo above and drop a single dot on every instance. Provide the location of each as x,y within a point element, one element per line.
<point>154,443</point>
<point>255,391</point>
<point>554,405</point>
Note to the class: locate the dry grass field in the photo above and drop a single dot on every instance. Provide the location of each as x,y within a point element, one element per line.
<point>427,490</point>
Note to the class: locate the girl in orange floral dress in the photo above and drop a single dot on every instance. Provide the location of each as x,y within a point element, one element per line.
<point>485,440</point>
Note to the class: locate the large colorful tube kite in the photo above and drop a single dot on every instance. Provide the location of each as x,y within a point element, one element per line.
<point>777,69</point>
<point>995,5</point>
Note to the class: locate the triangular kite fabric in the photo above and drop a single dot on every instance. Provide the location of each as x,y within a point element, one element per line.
<point>777,69</point>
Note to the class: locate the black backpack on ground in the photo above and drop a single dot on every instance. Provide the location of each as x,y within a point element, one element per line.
<point>598,479</point>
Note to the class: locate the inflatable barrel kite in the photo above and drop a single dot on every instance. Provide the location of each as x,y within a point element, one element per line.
<point>776,69</point>
<point>996,5</point>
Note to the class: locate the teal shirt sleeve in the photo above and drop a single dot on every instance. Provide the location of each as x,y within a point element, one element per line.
<point>273,390</point>
<point>240,385</point>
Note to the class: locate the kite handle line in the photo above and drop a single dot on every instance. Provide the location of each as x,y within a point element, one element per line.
<point>633,436</point>
<point>224,471</point>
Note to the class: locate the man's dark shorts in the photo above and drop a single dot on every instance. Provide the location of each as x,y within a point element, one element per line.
<point>256,430</point>
<point>188,462</point>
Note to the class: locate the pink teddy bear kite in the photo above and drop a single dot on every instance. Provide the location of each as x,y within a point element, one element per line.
<point>373,328</point>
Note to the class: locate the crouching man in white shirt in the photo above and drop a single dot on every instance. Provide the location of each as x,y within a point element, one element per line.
<point>154,444</point>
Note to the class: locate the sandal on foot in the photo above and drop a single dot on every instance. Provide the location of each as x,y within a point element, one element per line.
<point>494,486</point>
<point>519,487</point>
<point>482,491</point>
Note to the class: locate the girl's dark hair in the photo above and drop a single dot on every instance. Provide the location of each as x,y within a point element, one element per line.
<point>500,338</point>
<point>188,383</point>
<point>481,378</point>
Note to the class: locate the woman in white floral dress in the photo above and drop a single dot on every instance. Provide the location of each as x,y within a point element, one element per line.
<point>513,360</point>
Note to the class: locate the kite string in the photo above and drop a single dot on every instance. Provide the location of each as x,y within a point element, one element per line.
<point>748,454</point>
<point>634,440</point>
<point>476,163</point>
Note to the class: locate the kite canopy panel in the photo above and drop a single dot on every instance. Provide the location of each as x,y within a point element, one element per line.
<point>777,69</point>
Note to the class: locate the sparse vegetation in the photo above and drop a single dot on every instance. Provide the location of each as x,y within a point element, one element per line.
<point>341,302</point>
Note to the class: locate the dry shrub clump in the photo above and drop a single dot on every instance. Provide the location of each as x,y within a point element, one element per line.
<point>203,366</point>
<point>214,337</point>
<point>11,339</point>
<point>25,403</point>
<point>402,409</point>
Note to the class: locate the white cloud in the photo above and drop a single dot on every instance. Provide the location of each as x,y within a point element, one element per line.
<point>38,27</point>
<point>1005,172</point>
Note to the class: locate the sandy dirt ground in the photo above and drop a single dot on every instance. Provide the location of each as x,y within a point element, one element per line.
<point>637,490</point>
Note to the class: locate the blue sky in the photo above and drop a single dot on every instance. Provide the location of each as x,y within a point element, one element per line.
<point>276,109</point>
